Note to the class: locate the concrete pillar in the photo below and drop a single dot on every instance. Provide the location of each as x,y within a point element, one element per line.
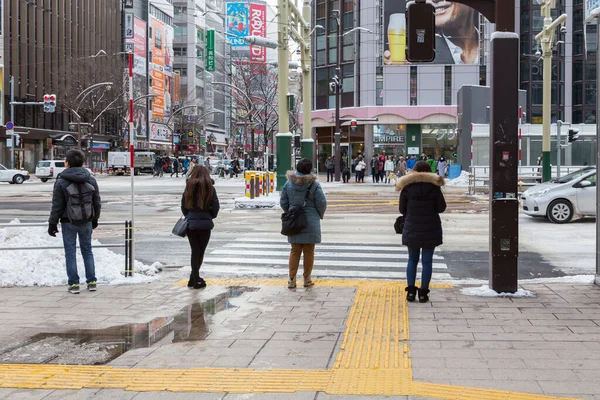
<point>368,147</point>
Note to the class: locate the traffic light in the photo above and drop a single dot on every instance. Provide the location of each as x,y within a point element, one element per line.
<point>353,125</point>
<point>49,103</point>
<point>420,32</point>
<point>573,135</point>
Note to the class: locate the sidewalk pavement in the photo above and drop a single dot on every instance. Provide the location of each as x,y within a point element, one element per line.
<point>256,339</point>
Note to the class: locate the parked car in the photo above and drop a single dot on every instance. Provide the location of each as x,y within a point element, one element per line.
<point>17,176</point>
<point>49,169</point>
<point>561,200</point>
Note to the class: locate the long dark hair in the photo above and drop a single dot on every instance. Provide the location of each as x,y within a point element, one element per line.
<point>199,189</point>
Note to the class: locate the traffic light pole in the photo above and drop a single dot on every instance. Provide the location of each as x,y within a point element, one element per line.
<point>283,137</point>
<point>338,69</point>
<point>307,144</point>
<point>12,116</point>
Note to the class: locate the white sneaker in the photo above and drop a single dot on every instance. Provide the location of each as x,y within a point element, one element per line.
<point>292,283</point>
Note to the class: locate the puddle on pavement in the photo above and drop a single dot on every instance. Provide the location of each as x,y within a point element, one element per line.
<point>100,346</point>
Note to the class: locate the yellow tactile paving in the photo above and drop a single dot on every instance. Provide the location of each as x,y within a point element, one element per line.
<point>375,360</point>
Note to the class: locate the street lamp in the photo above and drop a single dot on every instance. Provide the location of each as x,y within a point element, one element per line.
<point>546,40</point>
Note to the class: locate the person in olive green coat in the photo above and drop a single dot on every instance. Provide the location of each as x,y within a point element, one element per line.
<point>292,195</point>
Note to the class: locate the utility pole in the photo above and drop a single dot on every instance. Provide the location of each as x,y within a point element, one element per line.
<point>284,137</point>
<point>558,147</point>
<point>307,144</point>
<point>546,39</point>
<point>12,118</point>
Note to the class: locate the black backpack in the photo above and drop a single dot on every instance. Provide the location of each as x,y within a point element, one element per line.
<point>294,221</point>
<point>80,206</point>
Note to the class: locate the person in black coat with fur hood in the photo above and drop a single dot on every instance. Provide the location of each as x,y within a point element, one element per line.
<point>421,202</point>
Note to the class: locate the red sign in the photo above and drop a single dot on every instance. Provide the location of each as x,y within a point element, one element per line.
<point>258,27</point>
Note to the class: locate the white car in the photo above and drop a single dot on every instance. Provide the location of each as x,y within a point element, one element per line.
<point>17,176</point>
<point>561,200</point>
<point>49,169</point>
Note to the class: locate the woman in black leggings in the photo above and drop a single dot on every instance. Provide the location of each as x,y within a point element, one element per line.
<point>200,205</point>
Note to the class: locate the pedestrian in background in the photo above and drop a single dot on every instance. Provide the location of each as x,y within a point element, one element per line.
<point>441,166</point>
<point>200,204</point>
<point>186,165</point>
<point>259,164</point>
<point>389,169</point>
<point>76,205</point>
<point>292,195</point>
<point>421,202</point>
<point>329,167</point>
<point>361,167</point>
<point>410,163</point>
<point>375,168</point>
<point>382,168</point>
<point>175,168</point>
<point>401,167</point>
<point>432,164</point>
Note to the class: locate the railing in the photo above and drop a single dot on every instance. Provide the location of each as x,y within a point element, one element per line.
<point>527,175</point>
<point>127,245</point>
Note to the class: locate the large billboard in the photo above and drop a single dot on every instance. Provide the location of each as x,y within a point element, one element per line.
<point>456,39</point>
<point>162,69</point>
<point>258,27</point>
<point>237,23</point>
<point>138,45</point>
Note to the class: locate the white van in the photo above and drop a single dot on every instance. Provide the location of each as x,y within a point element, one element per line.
<point>49,169</point>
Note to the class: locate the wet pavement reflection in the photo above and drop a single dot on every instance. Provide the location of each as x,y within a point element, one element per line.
<point>100,346</point>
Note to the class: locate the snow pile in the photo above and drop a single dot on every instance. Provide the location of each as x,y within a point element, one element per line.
<point>462,180</point>
<point>47,267</point>
<point>270,201</point>
<point>485,291</point>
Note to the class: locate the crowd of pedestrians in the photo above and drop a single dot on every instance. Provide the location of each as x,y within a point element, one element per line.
<point>384,169</point>
<point>173,166</point>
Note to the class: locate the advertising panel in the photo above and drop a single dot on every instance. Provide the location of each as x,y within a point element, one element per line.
<point>160,132</point>
<point>140,88</point>
<point>158,68</point>
<point>258,27</point>
<point>162,69</point>
<point>237,23</point>
<point>456,39</point>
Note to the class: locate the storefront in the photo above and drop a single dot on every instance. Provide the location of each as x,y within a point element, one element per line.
<point>389,140</point>
<point>440,140</point>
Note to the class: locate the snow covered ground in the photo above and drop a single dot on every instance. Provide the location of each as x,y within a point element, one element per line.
<point>47,267</point>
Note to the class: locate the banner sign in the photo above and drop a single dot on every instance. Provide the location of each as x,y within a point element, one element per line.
<point>258,27</point>
<point>237,23</point>
<point>210,50</point>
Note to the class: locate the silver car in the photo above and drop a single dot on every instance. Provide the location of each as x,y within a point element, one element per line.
<point>560,200</point>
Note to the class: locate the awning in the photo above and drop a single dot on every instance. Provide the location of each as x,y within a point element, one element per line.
<point>101,145</point>
<point>64,140</point>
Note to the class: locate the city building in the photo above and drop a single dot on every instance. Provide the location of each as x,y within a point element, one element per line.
<point>401,108</point>
<point>61,48</point>
<point>416,105</point>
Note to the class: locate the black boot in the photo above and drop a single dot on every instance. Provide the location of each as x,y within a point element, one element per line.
<point>191,281</point>
<point>423,295</point>
<point>200,283</point>
<point>411,293</point>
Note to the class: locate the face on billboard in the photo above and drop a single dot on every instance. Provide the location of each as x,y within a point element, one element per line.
<point>457,37</point>
<point>237,23</point>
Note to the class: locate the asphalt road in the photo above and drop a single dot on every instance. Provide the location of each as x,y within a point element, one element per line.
<point>357,232</point>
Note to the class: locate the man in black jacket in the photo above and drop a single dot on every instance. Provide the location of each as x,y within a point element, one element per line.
<point>87,188</point>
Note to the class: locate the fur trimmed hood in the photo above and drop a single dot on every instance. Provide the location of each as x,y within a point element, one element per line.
<point>419,177</point>
<point>300,179</point>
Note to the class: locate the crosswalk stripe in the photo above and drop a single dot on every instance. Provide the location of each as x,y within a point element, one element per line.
<point>318,263</point>
<point>222,271</point>
<point>320,254</point>
<point>280,245</point>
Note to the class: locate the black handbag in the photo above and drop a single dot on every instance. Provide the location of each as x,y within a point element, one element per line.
<point>294,220</point>
<point>181,227</point>
<point>399,224</point>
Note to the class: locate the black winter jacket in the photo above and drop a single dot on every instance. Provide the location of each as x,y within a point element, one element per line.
<point>200,219</point>
<point>421,202</point>
<point>60,195</point>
